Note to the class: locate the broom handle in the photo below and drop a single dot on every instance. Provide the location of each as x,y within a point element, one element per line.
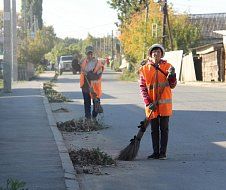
<point>87,81</point>
<point>147,120</point>
<point>141,131</point>
<point>90,87</point>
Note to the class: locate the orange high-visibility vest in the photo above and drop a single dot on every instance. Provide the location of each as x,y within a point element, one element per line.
<point>96,84</point>
<point>158,85</point>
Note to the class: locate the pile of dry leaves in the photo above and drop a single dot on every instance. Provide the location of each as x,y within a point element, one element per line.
<point>80,125</point>
<point>90,161</point>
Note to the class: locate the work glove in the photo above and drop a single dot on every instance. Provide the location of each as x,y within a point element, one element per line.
<point>152,106</point>
<point>143,62</point>
<point>93,76</point>
<point>171,72</point>
<point>172,77</point>
<point>142,125</point>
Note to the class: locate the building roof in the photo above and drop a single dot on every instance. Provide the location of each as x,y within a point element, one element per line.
<point>207,48</point>
<point>209,23</point>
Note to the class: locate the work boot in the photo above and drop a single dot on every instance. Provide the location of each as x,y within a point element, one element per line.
<point>154,156</point>
<point>162,156</point>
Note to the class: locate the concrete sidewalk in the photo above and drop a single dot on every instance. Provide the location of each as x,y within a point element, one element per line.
<point>28,148</point>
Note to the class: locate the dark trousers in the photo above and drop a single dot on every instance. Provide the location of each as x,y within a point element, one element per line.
<point>159,134</point>
<point>87,105</point>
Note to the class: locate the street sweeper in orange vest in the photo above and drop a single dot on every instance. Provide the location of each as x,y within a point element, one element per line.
<point>90,83</point>
<point>157,78</point>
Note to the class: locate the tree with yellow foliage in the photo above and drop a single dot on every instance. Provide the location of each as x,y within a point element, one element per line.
<point>141,30</point>
<point>139,33</point>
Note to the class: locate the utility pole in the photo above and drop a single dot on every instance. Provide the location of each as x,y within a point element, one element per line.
<point>169,28</point>
<point>7,64</point>
<point>146,21</point>
<point>100,51</point>
<point>14,42</point>
<point>104,45</point>
<point>165,22</point>
<point>112,46</point>
<point>112,50</point>
<point>164,9</point>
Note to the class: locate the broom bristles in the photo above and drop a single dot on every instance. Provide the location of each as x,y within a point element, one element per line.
<point>130,152</point>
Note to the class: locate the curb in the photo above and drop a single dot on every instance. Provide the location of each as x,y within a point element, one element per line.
<point>68,168</point>
<point>203,84</point>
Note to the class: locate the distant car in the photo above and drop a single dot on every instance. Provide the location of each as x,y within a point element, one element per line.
<point>65,63</point>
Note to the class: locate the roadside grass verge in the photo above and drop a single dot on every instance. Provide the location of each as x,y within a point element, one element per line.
<point>129,76</point>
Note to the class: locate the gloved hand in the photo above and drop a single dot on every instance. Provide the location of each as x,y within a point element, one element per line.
<point>171,72</point>
<point>93,76</point>
<point>143,125</point>
<point>152,106</point>
<point>172,77</point>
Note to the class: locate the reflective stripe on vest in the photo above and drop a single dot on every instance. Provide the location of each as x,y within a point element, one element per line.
<point>160,84</point>
<point>165,101</point>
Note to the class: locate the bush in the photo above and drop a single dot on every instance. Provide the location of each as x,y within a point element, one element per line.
<point>129,76</point>
<point>39,69</point>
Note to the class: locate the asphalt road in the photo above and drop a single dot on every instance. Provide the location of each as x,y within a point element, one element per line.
<point>197,138</point>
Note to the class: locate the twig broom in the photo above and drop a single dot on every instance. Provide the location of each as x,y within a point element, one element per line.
<point>130,152</point>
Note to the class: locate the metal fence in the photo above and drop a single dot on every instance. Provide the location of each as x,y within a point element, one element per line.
<point>25,71</point>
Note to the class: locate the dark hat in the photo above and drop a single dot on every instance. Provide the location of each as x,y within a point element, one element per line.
<point>89,49</point>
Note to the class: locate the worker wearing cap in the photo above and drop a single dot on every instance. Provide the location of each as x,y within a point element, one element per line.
<point>91,75</point>
<point>157,78</point>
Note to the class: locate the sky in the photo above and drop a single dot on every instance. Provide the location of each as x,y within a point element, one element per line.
<point>199,6</point>
<point>77,18</point>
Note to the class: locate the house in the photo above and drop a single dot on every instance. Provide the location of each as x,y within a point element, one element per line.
<point>208,23</point>
<point>209,56</point>
<point>209,62</point>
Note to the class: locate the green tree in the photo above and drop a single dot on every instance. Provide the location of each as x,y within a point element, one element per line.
<point>31,13</point>
<point>126,8</point>
<point>62,48</point>
<point>186,35</point>
<point>1,20</point>
<point>1,30</point>
<point>33,49</point>
<point>90,40</point>
<point>37,11</point>
<point>70,41</point>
